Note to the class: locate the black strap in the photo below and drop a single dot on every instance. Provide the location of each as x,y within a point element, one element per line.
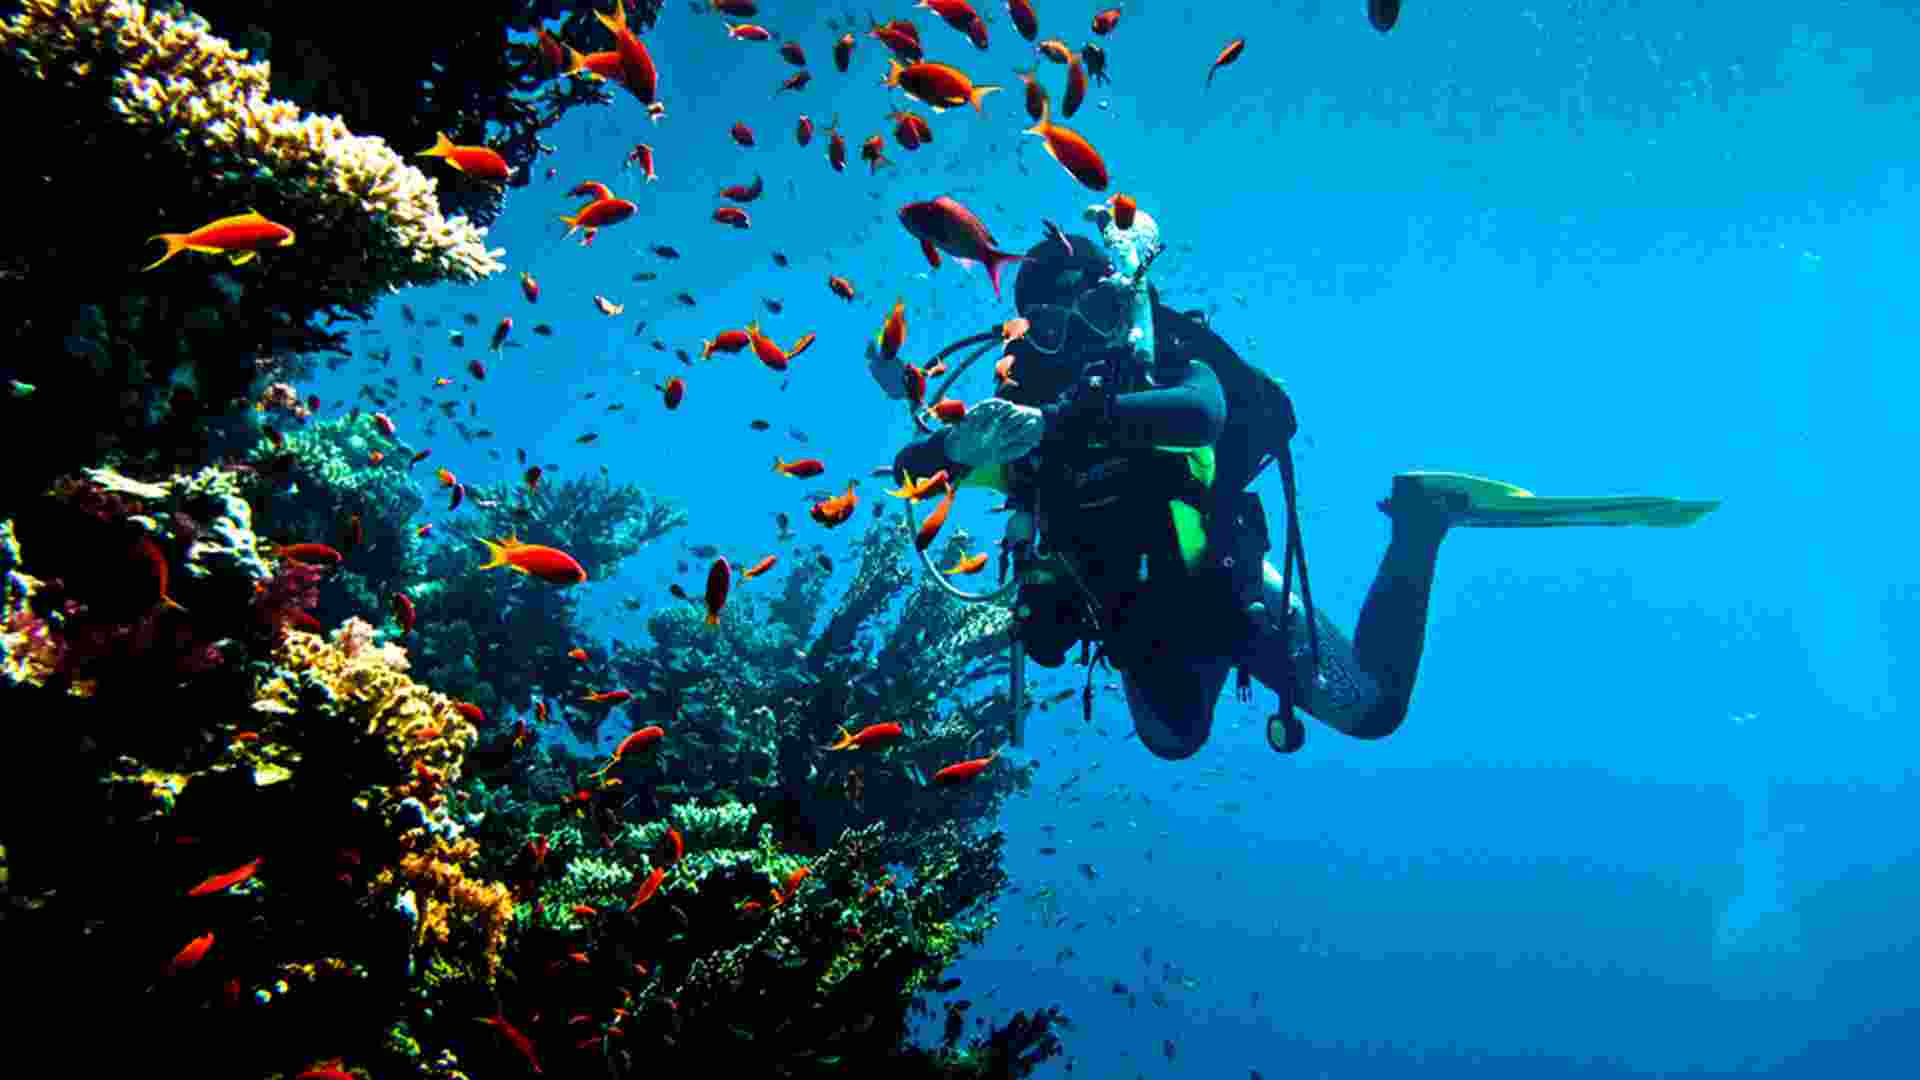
<point>1296,553</point>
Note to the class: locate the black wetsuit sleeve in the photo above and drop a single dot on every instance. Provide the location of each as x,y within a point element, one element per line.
<point>1190,413</point>
<point>924,457</point>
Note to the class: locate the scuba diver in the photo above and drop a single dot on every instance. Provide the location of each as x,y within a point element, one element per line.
<point>1126,435</point>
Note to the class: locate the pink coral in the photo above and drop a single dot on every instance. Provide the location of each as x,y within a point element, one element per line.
<point>282,397</point>
<point>287,596</point>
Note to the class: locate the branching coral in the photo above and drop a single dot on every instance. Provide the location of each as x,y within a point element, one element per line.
<point>455,913</point>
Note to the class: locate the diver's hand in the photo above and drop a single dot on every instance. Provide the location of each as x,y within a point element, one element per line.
<point>995,432</point>
<point>1081,410</point>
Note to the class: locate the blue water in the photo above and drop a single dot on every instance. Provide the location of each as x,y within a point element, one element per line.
<point>1651,812</point>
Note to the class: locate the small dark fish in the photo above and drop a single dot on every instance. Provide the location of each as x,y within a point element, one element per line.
<point>1049,851</point>
<point>678,592</point>
<point>946,985</point>
<point>470,319</point>
<point>1120,989</point>
<point>587,439</point>
<point>758,425</point>
<point>703,551</point>
<point>798,435</point>
<point>1054,232</point>
<point>779,259</point>
<point>1088,870</point>
<point>645,275</point>
<point>684,358</point>
<point>825,561</point>
<point>658,345</point>
<point>522,454</point>
<point>684,298</point>
<point>543,329</point>
<point>406,314</point>
<point>773,305</point>
<point>683,567</point>
<point>781,521</point>
<point>665,251</point>
<point>457,339</point>
<point>640,328</point>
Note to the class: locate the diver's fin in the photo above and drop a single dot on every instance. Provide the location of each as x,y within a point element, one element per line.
<point>1477,502</point>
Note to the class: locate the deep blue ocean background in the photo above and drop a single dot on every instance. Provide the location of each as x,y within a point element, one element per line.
<point>1652,812</point>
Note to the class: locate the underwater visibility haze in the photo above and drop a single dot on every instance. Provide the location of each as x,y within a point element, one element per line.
<point>1338,539</point>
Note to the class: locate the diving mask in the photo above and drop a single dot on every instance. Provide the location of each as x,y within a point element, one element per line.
<point>1103,309</point>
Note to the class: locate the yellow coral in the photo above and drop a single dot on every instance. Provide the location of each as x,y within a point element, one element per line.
<point>455,910</point>
<point>176,78</point>
<point>368,686</point>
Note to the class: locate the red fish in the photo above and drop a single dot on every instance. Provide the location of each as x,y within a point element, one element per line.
<point>796,81</point>
<point>948,410</point>
<point>873,153</point>
<point>453,499</point>
<point>1024,18</point>
<point>1124,209</point>
<point>900,36</point>
<point>673,392</point>
<point>841,287</point>
<point>384,423</point>
<point>1074,153</point>
<point>836,147</point>
<point>191,955</point>
<point>915,381</point>
<point>637,70</point>
<point>930,528</point>
<point>742,134</point>
<point>759,568</point>
<point>944,225</point>
<point>734,216</point>
<point>843,51</point>
<point>419,457</point>
<point>964,771</point>
<point>679,844</point>
<point>403,612</point>
<point>238,237</point>
<point>598,214</point>
<point>529,287</point>
<point>638,740</point>
<point>1105,21</point>
<point>1227,56</point>
<point>514,1037</point>
<point>1383,14</point>
<point>802,469</point>
<point>1055,50</point>
<point>608,697</point>
<point>971,564</point>
<point>804,343</point>
<point>500,333</point>
<point>648,888</point>
<point>1036,93</point>
<point>478,162</point>
<point>719,581</point>
<point>803,131</point>
<point>1076,87</point>
<point>914,491</point>
<point>747,32</point>
<point>872,736</point>
<point>642,155</point>
<point>837,510</point>
<point>233,877</point>
<point>742,192</point>
<point>940,86</point>
<point>793,54</point>
<point>725,341</point>
<point>764,347</point>
<point>739,9</point>
<point>474,713</point>
<point>310,554</point>
<point>478,369</point>
<point>551,565</point>
<point>533,475</point>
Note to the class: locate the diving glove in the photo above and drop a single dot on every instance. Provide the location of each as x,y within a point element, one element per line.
<point>995,432</point>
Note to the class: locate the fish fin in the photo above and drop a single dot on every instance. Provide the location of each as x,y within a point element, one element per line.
<point>176,243</point>
<point>241,258</point>
<point>980,92</point>
<point>441,144</point>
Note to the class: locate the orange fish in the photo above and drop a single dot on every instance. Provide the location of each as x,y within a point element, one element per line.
<point>1227,56</point>
<point>598,214</point>
<point>1105,21</point>
<point>873,152</point>
<point>194,952</point>
<point>1124,209</point>
<point>948,410</point>
<point>534,473</point>
<point>793,54</point>
<point>899,36</point>
<point>725,341</point>
<point>944,224</point>
<point>766,348</point>
<point>742,134</point>
<point>843,51</point>
<point>638,740</point>
<point>803,131</point>
<point>964,771</point>
<point>550,565</point>
<point>478,162</point>
<point>239,238</point>
<point>794,879</point>
<point>760,567</point>
<point>529,287</point>
<point>679,844</point>
<point>593,188</point>
<point>872,736</point>
<point>801,469</point>
<point>916,384</point>
<point>648,888</point>
<point>747,32</point>
<point>637,70</point>
<point>732,215</point>
<point>836,147</point>
<point>930,528</point>
<point>218,882</point>
<point>893,332</point>
<point>841,287</point>
<point>804,343</point>
<point>447,479</point>
<point>719,580</point>
<point>673,392</point>
<point>514,1037</point>
<point>972,564</point>
<point>642,155</point>
<point>797,81</point>
<point>1014,329</point>
<point>579,654</point>
<point>940,86</point>
<point>915,491</point>
<point>1074,153</point>
<point>403,612</point>
<point>375,457</point>
<point>1055,50</point>
<point>608,697</point>
<point>837,510</point>
<point>742,192</point>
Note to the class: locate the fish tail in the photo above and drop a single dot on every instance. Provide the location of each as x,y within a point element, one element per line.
<point>576,63</point>
<point>617,21</point>
<point>441,145</point>
<point>496,553</point>
<point>168,603</point>
<point>981,92</point>
<point>779,463</point>
<point>713,618</point>
<point>176,243</point>
<point>995,260</point>
<point>893,77</point>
